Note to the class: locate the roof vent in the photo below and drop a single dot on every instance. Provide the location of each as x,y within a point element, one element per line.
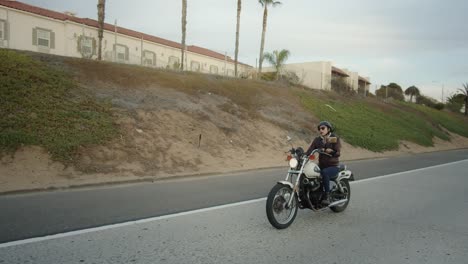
<point>70,13</point>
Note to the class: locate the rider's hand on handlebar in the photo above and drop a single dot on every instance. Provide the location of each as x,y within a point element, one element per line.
<point>327,151</point>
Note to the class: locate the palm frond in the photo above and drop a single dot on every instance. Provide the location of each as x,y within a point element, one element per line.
<point>262,2</point>
<point>465,85</point>
<point>283,55</point>
<point>270,58</point>
<point>276,3</point>
<point>464,92</point>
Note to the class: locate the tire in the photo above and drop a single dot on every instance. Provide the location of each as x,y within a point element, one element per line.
<point>341,208</point>
<point>275,204</point>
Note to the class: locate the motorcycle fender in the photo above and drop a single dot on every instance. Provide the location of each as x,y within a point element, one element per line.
<point>347,174</point>
<point>287,184</point>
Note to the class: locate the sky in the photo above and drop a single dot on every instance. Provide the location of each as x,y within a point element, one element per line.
<point>410,42</point>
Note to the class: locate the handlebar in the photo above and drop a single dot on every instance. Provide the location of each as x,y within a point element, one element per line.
<point>320,152</point>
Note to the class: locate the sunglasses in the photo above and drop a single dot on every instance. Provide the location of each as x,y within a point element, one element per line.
<point>322,128</point>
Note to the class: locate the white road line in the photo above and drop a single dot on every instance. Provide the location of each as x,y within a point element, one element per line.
<point>146,220</point>
<point>410,171</point>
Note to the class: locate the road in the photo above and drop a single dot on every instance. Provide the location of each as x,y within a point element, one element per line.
<point>418,216</point>
<point>45,213</point>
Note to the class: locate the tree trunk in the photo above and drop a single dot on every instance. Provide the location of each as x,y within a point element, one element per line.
<point>466,104</point>
<point>265,15</point>
<point>184,24</point>
<point>101,14</point>
<point>237,36</point>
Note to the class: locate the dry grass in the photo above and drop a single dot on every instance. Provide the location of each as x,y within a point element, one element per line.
<point>248,94</point>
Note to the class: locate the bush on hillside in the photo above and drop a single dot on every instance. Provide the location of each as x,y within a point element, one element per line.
<point>439,106</point>
<point>340,86</point>
<point>392,90</point>
<point>426,100</point>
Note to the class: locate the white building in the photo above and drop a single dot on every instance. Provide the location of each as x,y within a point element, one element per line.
<point>320,74</point>
<point>27,27</point>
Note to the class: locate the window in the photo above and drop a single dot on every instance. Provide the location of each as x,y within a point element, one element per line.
<point>174,62</point>
<point>121,52</point>
<point>195,66</point>
<point>213,69</point>
<point>43,38</point>
<point>87,46</point>
<point>149,58</point>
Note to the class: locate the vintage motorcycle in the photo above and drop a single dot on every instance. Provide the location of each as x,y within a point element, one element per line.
<point>302,189</point>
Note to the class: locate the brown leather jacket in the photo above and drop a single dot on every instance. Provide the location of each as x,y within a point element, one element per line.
<point>332,142</point>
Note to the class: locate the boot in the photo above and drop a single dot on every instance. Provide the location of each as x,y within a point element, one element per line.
<point>326,199</point>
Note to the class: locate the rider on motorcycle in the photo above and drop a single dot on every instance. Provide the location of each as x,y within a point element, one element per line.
<point>329,143</point>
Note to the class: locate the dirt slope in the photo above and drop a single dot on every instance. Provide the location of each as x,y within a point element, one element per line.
<point>177,124</point>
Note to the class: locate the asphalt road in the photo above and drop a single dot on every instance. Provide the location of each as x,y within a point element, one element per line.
<point>411,217</point>
<point>45,213</point>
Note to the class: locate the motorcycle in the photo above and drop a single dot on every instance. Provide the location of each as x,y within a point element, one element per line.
<point>303,189</point>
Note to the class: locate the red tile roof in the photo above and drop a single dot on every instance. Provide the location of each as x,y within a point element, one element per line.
<point>339,71</point>
<point>93,23</point>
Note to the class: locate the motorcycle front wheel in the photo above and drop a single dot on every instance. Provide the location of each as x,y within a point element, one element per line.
<point>279,214</point>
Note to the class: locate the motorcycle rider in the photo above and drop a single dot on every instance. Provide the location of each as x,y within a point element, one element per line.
<point>329,143</point>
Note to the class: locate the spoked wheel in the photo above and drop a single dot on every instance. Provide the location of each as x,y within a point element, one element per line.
<point>339,196</point>
<point>278,213</point>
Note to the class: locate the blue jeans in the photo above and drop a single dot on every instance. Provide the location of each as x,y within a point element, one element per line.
<point>327,173</point>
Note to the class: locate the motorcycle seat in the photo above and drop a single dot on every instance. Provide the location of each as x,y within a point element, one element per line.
<point>342,167</point>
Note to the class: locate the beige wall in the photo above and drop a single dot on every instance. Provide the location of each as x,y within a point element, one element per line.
<point>68,33</point>
<point>315,75</point>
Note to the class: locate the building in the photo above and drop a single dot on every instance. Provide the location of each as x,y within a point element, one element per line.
<point>27,27</point>
<point>323,75</point>
<point>363,84</point>
<point>316,75</point>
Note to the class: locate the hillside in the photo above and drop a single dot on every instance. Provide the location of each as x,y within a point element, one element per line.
<point>67,121</point>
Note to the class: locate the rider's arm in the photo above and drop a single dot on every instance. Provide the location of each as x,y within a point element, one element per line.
<point>312,146</point>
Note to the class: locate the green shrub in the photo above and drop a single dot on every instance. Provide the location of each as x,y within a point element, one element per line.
<point>42,106</point>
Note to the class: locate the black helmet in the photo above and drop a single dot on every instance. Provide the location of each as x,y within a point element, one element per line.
<point>327,124</point>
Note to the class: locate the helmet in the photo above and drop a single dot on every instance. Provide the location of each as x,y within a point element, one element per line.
<point>327,124</point>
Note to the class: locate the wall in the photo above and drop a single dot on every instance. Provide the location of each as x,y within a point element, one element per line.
<point>315,75</point>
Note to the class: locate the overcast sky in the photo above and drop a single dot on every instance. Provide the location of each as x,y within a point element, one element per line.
<point>410,42</point>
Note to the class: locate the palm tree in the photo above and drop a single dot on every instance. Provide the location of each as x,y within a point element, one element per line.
<point>237,36</point>
<point>412,91</point>
<point>265,4</point>
<point>464,92</point>
<point>101,9</point>
<point>277,59</point>
<point>184,25</point>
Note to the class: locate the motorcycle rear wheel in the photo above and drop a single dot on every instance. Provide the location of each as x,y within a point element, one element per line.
<point>347,194</point>
<point>276,206</point>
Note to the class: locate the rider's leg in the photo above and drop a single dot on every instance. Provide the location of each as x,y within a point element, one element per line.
<point>327,173</point>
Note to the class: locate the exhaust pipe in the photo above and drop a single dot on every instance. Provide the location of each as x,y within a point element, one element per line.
<point>337,203</point>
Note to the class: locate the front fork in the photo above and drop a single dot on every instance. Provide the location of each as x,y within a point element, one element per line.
<point>294,191</point>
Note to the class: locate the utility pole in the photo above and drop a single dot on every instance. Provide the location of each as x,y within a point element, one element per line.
<point>442,93</point>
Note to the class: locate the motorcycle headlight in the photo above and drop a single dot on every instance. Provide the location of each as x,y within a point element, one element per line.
<point>293,163</point>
